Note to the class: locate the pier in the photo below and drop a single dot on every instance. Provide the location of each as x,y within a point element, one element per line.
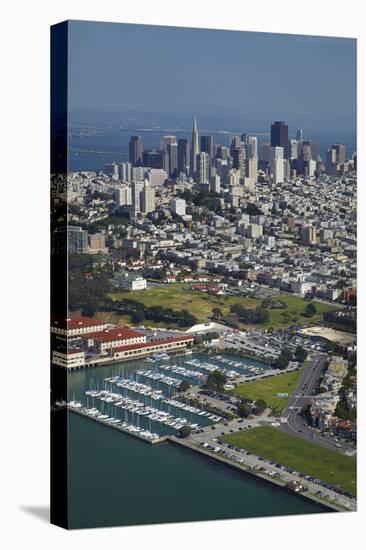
<point>82,412</point>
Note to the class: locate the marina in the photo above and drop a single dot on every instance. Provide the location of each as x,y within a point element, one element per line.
<point>113,440</point>
<point>148,398</point>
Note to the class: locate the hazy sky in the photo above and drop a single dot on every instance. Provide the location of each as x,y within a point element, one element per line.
<point>118,67</point>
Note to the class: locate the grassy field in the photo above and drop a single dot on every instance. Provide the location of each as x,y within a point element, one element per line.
<point>180,297</point>
<point>200,305</point>
<point>294,313</point>
<point>267,389</point>
<point>302,456</point>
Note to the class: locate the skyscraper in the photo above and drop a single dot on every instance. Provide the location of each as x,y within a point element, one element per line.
<point>276,164</point>
<point>203,167</point>
<point>183,155</point>
<point>235,143</point>
<point>207,145</point>
<point>135,150</point>
<point>252,146</point>
<point>172,149</point>
<point>340,150</point>
<point>239,156</point>
<point>279,136</point>
<point>194,148</point>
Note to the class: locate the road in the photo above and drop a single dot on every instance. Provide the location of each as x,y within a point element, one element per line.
<point>292,421</point>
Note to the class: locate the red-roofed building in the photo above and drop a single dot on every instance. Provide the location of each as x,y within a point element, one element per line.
<point>75,359</point>
<point>76,326</point>
<point>115,337</point>
<point>147,348</point>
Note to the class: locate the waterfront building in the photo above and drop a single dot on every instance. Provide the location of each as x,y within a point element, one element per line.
<point>76,326</point>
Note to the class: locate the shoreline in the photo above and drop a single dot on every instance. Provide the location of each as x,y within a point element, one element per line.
<point>257,475</point>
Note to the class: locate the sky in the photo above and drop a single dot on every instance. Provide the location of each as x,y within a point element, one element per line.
<point>125,67</point>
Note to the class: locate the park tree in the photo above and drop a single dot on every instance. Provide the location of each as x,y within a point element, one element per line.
<point>310,309</point>
<point>216,380</point>
<point>283,359</point>
<point>244,409</point>
<point>300,354</point>
<point>183,386</point>
<point>259,406</point>
<point>217,313</point>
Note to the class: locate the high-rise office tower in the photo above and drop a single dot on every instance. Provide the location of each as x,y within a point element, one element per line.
<point>203,167</point>
<point>207,146</point>
<point>172,149</point>
<point>222,152</point>
<point>299,135</point>
<point>147,198</point>
<point>340,150</point>
<point>168,140</point>
<point>266,147</point>
<point>135,150</point>
<point>195,149</point>
<point>276,164</point>
<point>279,136</point>
<point>252,146</point>
<point>239,160</point>
<point>235,143</point>
<point>183,155</point>
<point>293,149</point>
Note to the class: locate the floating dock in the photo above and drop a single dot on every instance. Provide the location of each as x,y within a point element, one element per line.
<point>118,427</point>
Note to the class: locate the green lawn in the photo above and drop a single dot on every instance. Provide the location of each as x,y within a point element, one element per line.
<point>180,297</point>
<point>267,389</point>
<point>199,304</point>
<point>302,456</point>
<point>294,313</point>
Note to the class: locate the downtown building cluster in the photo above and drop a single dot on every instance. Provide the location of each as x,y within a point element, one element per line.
<point>284,219</point>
